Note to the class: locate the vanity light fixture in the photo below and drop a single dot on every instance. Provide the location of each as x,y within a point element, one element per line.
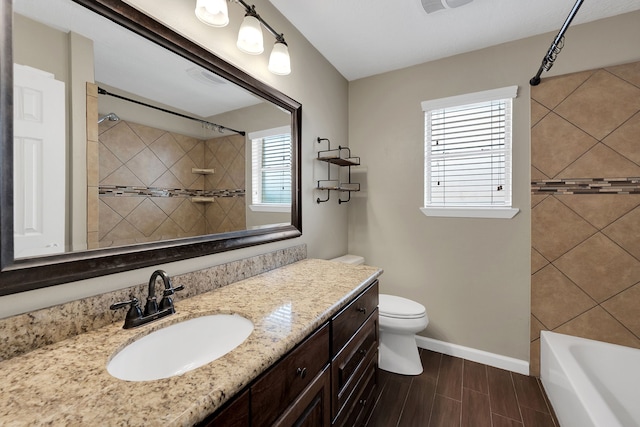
<point>213,12</point>
<point>250,35</point>
<point>279,61</point>
<point>250,39</point>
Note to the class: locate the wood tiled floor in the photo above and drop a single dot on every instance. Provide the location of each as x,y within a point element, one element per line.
<point>456,392</point>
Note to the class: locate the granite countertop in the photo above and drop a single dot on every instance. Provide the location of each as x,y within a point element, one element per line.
<point>67,383</point>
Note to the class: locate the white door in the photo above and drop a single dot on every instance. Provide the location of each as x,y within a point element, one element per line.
<point>38,162</point>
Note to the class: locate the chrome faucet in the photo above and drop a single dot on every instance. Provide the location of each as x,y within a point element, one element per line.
<point>152,311</point>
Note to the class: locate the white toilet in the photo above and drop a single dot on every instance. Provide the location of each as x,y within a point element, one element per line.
<point>400,320</point>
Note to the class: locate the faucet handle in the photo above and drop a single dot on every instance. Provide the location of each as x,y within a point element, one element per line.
<point>134,311</point>
<point>167,302</point>
<point>172,290</point>
<point>132,302</point>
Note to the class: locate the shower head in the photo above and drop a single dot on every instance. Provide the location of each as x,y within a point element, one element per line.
<point>113,117</point>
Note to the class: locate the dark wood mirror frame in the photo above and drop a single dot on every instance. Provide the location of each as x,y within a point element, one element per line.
<point>27,274</point>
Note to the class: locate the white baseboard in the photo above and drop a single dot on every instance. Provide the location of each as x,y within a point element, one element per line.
<point>480,356</point>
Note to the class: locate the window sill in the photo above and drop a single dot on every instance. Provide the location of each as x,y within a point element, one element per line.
<point>500,213</point>
<point>270,208</point>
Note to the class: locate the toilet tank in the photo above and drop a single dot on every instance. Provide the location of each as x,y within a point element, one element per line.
<point>350,259</point>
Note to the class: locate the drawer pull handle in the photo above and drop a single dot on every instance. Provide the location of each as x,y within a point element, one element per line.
<point>301,372</point>
<point>363,351</point>
<point>362,310</point>
<point>363,402</point>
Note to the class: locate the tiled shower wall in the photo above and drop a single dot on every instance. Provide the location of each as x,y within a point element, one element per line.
<point>585,172</point>
<point>149,160</point>
<point>226,156</point>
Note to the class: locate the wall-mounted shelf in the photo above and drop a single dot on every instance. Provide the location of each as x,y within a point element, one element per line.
<point>342,157</point>
<point>202,171</point>
<point>203,199</point>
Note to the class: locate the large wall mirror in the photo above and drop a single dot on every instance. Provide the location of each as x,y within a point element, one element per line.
<point>126,145</point>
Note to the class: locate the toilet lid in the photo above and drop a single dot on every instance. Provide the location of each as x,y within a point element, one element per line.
<point>400,308</point>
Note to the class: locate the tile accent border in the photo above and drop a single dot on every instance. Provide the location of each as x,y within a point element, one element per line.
<point>23,333</point>
<point>120,190</point>
<point>586,186</point>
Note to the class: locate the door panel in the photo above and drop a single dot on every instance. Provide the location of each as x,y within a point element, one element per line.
<point>39,163</point>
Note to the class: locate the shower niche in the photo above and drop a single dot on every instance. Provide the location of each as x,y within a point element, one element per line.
<point>338,180</point>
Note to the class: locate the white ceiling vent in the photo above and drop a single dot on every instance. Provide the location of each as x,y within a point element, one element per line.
<point>431,6</point>
<point>205,76</point>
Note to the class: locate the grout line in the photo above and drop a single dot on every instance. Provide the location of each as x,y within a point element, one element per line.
<point>435,391</point>
<point>615,318</point>
<point>486,373</point>
<point>620,77</point>
<point>486,378</point>
<point>461,392</point>
<point>614,241</point>
<point>572,281</point>
<point>515,392</point>
<point>404,403</point>
<point>547,402</point>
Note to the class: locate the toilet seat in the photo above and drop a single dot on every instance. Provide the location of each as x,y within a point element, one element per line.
<point>400,308</point>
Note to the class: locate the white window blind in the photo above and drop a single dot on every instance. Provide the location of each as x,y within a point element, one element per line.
<point>468,150</point>
<point>271,169</point>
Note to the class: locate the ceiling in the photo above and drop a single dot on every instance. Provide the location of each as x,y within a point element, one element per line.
<point>367,37</point>
<point>360,38</point>
<point>138,66</point>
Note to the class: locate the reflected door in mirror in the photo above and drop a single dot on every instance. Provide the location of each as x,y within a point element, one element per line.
<point>39,163</point>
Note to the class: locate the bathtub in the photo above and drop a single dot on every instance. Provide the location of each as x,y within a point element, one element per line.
<point>590,383</point>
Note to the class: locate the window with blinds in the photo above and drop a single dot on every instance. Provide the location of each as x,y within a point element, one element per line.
<point>271,170</point>
<point>468,150</point>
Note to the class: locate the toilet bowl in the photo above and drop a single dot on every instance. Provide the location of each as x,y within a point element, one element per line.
<point>400,319</point>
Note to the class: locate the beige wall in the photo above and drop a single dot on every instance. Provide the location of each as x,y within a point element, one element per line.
<point>323,93</point>
<point>473,275</point>
<point>585,164</point>
<point>41,47</point>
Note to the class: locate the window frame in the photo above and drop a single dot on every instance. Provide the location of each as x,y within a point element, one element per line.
<point>256,171</point>
<point>506,211</point>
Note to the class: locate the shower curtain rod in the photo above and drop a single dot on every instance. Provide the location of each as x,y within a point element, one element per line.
<point>556,46</point>
<point>102,91</point>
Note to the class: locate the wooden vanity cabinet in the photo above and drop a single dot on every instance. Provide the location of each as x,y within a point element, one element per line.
<point>312,407</point>
<point>354,359</point>
<point>233,414</point>
<point>328,379</point>
<point>278,389</point>
<point>347,322</point>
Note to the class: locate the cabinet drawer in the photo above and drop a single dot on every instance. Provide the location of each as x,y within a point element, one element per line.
<point>347,322</point>
<point>359,407</point>
<point>311,408</point>
<point>351,362</point>
<point>281,384</point>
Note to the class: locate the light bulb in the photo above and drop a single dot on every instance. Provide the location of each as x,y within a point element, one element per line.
<point>279,61</point>
<point>212,12</point>
<point>250,36</point>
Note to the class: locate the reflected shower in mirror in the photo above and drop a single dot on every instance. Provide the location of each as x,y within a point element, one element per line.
<point>166,147</point>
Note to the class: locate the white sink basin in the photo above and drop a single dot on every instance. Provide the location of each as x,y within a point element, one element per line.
<point>180,348</point>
